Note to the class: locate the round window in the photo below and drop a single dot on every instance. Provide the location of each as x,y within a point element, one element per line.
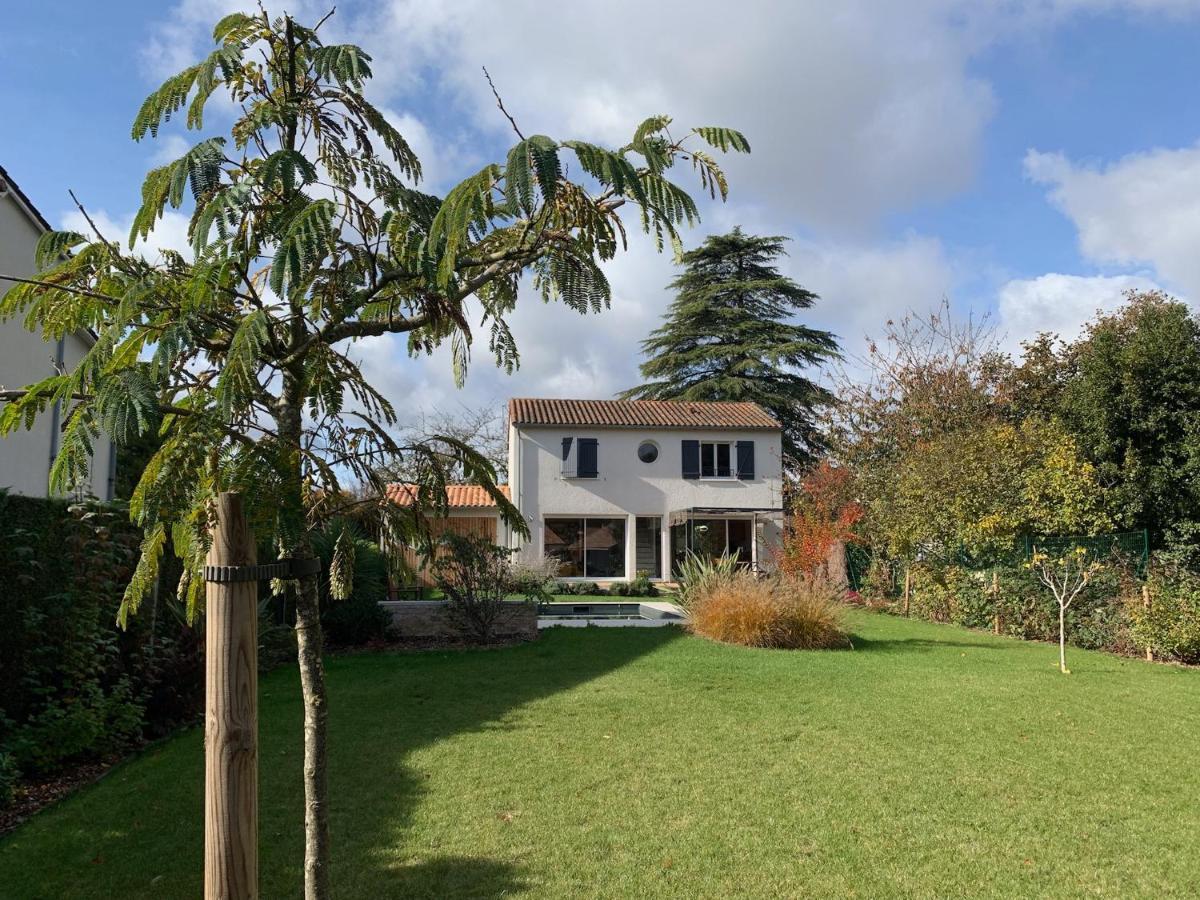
<point>648,451</point>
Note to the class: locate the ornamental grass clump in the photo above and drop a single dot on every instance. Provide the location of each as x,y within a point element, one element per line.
<point>782,613</point>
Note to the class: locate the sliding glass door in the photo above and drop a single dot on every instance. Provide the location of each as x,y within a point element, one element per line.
<point>586,547</point>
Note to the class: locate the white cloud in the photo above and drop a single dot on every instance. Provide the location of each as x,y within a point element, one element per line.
<point>1060,304</point>
<point>1141,210</point>
<point>170,232</point>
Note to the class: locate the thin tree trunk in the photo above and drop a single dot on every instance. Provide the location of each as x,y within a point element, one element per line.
<point>309,647</point>
<point>1062,639</point>
<point>309,644</point>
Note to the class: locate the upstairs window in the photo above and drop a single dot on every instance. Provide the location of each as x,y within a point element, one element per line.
<point>580,458</point>
<point>715,460</point>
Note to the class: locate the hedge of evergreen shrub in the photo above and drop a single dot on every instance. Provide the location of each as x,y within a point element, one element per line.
<point>73,686</point>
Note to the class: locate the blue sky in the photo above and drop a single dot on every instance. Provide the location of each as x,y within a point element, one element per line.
<point>1028,159</point>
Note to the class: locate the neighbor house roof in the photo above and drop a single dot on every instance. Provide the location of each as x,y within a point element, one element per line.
<point>639,413</point>
<point>458,495</point>
<point>23,200</point>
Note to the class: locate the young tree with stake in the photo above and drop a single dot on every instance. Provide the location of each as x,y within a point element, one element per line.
<point>308,233</point>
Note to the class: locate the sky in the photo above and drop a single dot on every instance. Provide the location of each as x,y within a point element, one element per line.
<point>1027,160</point>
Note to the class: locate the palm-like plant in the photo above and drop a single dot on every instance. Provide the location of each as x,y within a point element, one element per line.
<point>308,232</point>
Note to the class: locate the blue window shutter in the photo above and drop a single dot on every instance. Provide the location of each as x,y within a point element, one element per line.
<point>691,459</point>
<point>589,463</point>
<point>745,460</point>
<point>568,458</point>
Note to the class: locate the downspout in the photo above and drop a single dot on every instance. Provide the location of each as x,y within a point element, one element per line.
<point>60,353</point>
<point>112,470</point>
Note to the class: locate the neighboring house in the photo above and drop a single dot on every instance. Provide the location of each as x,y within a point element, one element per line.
<point>469,511</point>
<point>25,357</point>
<point>612,488</point>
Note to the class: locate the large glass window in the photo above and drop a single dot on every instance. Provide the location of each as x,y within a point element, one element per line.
<point>587,548</point>
<point>714,460</point>
<point>564,542</point>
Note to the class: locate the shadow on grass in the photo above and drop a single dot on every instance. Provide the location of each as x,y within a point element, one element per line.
<point>452,876</point>
<point>917,645</point>
<point>403,702</point>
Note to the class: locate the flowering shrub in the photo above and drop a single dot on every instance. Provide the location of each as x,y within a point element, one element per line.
<point>821,517</point>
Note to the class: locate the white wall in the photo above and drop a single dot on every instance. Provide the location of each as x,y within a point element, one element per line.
<point>25,357</point>
<point>627,487</point>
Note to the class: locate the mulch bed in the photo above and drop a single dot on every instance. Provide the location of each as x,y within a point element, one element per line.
<point>34,796</point>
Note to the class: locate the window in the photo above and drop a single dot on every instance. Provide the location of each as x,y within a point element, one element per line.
<point>647,534</point>
<point>586,548</point>
<point>580,458</point>
<point>648,451</point>
<point>714,460</point>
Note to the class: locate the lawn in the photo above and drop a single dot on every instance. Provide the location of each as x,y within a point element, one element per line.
<point>609,762</point>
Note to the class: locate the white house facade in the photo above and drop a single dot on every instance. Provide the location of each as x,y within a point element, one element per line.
<point>25,357</point>
<point>613,488</point>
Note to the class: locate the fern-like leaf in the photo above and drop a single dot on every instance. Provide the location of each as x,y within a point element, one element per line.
<point>304,245</point>
<point>164,103</point>
<point>237,380</point>
<point>144,574</point>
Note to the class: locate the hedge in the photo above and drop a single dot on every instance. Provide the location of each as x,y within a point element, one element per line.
<point>72,685</point>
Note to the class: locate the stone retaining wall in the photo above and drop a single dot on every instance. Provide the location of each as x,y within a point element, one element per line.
<point>428,619</point>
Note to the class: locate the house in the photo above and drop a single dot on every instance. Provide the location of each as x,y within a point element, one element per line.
<point>614,488</point>
<point>470,511</point>
<point>26,357</point>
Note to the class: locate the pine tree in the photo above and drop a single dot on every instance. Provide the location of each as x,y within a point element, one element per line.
<point>308,233</point>
<point>729,335</point>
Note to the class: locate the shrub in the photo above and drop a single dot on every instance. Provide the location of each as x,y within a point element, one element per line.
<point>786,613</point>
<point>1170,626</point>
<point>9,774</point>
<point>476,578</point>
<point>699,575</point>
<point>358,619</point>
<point>640,586</point>
<point>535,581</point>
<point>580,589</point>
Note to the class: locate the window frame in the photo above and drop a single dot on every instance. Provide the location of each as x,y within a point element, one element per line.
<point>583,544</point>
<point>730,460</point>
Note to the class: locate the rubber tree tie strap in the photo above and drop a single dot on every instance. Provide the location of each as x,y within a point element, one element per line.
<point>285,568</point>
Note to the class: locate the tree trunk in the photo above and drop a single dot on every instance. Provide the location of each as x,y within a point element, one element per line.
<point>309,647</point>
<point>1062,639</point>
<point>309,644</point>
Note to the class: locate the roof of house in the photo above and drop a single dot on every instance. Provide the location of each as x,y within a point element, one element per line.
<point>23,200</point>
<point>458,496</point>
<point>639,413</point>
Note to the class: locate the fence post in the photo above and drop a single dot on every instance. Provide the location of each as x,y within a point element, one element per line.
<point>907,586</point>
<point>995,602</point>
<point>231,713</point>
<point>1146,605</point>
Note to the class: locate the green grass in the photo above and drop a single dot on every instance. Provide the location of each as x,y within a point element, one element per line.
<point>640,762</point>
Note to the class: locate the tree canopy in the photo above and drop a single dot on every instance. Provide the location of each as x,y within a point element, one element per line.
<point>730,335</point>
<point>308,231</point>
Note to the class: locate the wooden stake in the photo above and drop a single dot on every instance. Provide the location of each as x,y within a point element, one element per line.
<point>995,602</point>
<point>1146,604</point>
<point>231,714</point>
<point>907,587</point>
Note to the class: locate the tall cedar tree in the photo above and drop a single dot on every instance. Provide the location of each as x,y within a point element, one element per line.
<point>729,336</point>
<point>307,234</point>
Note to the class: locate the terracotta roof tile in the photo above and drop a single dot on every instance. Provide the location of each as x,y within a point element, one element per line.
<point>457,495</point>
<point>638,413</point>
